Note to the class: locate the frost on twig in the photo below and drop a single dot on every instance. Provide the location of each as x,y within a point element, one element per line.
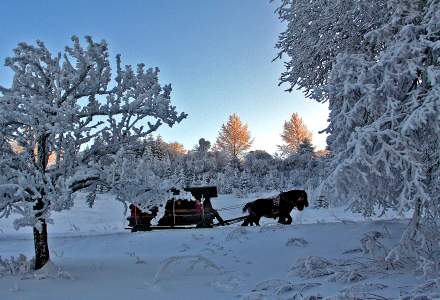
<point>313,267</point>
<point>49,271</point>
<point>280,289</point>
<point>372,246</point>
<point>15,266</point>
<point>428,290</point>
<point>334,270</point>
<point>22,267</point>
<point>65,123</point>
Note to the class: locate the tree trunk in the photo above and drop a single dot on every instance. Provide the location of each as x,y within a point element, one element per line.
<point>41,245</point>
<point>40,229</point>
<point>415,221</point>
<point>40,237</point>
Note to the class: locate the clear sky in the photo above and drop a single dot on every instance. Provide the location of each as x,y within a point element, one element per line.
<point>216,54</point>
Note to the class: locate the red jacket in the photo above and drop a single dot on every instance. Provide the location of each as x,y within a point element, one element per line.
<point>135,211</point>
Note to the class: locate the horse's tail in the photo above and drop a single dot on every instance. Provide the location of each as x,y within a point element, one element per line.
<point>246,207</point>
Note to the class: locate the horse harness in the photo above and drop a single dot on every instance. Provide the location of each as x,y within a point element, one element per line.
<point>275,206</point>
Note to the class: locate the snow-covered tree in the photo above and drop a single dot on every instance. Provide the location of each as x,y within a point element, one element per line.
<point>258,162</point>
<point>378,66</point>
<point>61,104</point>
<point>295,132</point>
<point>234,137</point>
<point>203,146</point>
<point>158,147</point>
<point>317,31</point>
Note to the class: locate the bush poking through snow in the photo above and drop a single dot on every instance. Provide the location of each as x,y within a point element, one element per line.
<point>294,291</point>
<point>49,271</point>
<point>370,245</point>
<point>15,266</point>
<point>338,270</point>
<point>428,290</point>
<point>23,267</point>
<point>186,265</point>
<point>364,288</point>
<point>313,267</point>
<point>297,242</point>
<point>280,289</point>
<point>346,276</point>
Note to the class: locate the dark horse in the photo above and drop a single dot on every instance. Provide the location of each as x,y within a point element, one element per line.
<point>280,207</point>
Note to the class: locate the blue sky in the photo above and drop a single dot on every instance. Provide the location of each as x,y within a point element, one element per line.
<point>216,54</point>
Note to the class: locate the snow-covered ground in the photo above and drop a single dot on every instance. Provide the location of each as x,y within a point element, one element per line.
<point>94,257</point>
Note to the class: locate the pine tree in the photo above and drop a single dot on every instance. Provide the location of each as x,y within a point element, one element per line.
<point>159,148</point>
<point>294,134</point>
<point>234,138</point>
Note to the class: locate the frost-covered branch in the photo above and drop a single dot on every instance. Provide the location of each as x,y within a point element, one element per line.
<point>378,68</point>
<point>66,118</point>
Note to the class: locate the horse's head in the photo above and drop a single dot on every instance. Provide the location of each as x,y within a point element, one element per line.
<point>297,197</point>
<point>302,201</point>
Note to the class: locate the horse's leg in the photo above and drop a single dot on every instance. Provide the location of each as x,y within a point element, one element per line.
<point>248,221</point>
<point>281,219</point>
<point>257,220</point>
<point>254,218</point>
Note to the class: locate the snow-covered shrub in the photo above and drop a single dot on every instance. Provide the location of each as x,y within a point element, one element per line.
<point>298,242</point>
<point>364,288</point>
<point>427,290</point>
<point>372,246</point>
<point>49,271</point>
<point>15,266</point>
<point>295,290</point>
<point>313,267</point>
<point>281,289</point>
<point>337,270</point>
<point>24,268</point>
<point>346,276</point>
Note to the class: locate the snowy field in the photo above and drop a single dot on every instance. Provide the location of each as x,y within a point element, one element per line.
<point>94,257</point>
